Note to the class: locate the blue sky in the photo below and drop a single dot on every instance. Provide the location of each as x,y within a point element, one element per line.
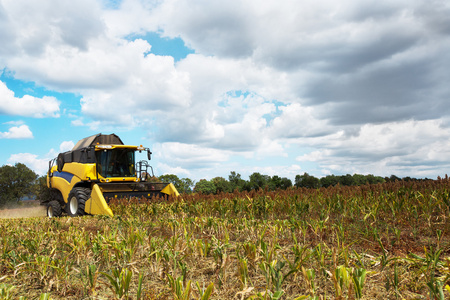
<point>279,88</point>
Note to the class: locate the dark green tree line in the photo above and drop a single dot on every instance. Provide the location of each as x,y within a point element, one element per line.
<point>235,182</point>
<point>310,181</point>
<point>260,181</point>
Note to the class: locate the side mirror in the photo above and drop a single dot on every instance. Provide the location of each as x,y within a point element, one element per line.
<point>149,154</point>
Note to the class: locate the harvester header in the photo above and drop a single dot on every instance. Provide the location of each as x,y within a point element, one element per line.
<point>98,168</point>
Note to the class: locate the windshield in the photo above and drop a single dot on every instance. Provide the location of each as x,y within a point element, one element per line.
<point>115,163</point>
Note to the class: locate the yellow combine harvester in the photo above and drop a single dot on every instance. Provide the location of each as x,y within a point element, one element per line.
<point>100,167</point>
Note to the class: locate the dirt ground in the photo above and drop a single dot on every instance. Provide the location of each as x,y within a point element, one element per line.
<point>23,212</point>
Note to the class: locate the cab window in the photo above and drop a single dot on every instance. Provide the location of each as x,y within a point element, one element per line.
<point>115,163</point>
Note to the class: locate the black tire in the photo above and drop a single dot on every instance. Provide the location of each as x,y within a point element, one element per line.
<point>54,209</point>
<point>76,201</point>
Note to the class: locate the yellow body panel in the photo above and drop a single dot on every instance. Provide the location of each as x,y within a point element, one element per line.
<point>71,174</point>
<point>170,190</point>
<point>64,182</point>
<point>96,204</point>
<point>82,171</point>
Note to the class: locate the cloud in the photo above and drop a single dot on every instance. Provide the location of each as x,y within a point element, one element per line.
<point>188,156</point>
<point>201,162</point>
<point>31,27</point>
<point>130,18</point>
<point>20,132</point>
<point>164,169</point>
<point>7,33</point>
<point>297,121</point>
<point>77,122</point>
<point>27,106</point>
<point>199,101</point>
<point>371,62</point>
<point>231,103</point>
<point>286,34</point>
<point>358,85</point>
<point>106,64</point>
<point>403,148</point>
<point>283,171</point>
<point>153,86</point>
<point>66,146</point>
<point>223,31</point>
<point>16,123</point>
<point>38,165</point>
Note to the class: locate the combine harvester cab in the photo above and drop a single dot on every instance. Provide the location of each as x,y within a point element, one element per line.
<point>99,168</point>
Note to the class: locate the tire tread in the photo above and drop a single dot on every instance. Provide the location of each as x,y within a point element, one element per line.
<point>82,195</point>
<point>57,210</point>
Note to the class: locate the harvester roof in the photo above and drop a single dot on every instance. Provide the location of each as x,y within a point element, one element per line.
<point>109,139</point>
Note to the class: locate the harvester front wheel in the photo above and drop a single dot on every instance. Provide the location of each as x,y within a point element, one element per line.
<point>54,209</point>
<point>77,200</point>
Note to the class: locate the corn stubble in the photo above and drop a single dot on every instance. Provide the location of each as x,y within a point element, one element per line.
<point>385,241</point>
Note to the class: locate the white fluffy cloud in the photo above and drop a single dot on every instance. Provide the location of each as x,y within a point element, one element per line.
<point>152,86</point>
<point>231,103</point>
<point>372,62</point>
<point>187,155</point>
<point>27,106</point>
<point>38,165</point>
<point>32,26</point>
<point>17,132</point>
<point>66,146</point>
<point>402,148</point>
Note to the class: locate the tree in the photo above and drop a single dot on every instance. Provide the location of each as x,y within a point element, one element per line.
<point>307,180</point>
<point>285,183</point>
<point>374,179</point>
<point>393,178</point>
<point>359,179</point>
<point>171,178</point>
<point>236,182</point>
<point>258,181</point>
<point>222,185</point>
<point>205,187</point>
<point>346,180</point>
<point>329,180</point>
<point>186,185</point>
<point>276,182</point>
<point>15,182</point>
